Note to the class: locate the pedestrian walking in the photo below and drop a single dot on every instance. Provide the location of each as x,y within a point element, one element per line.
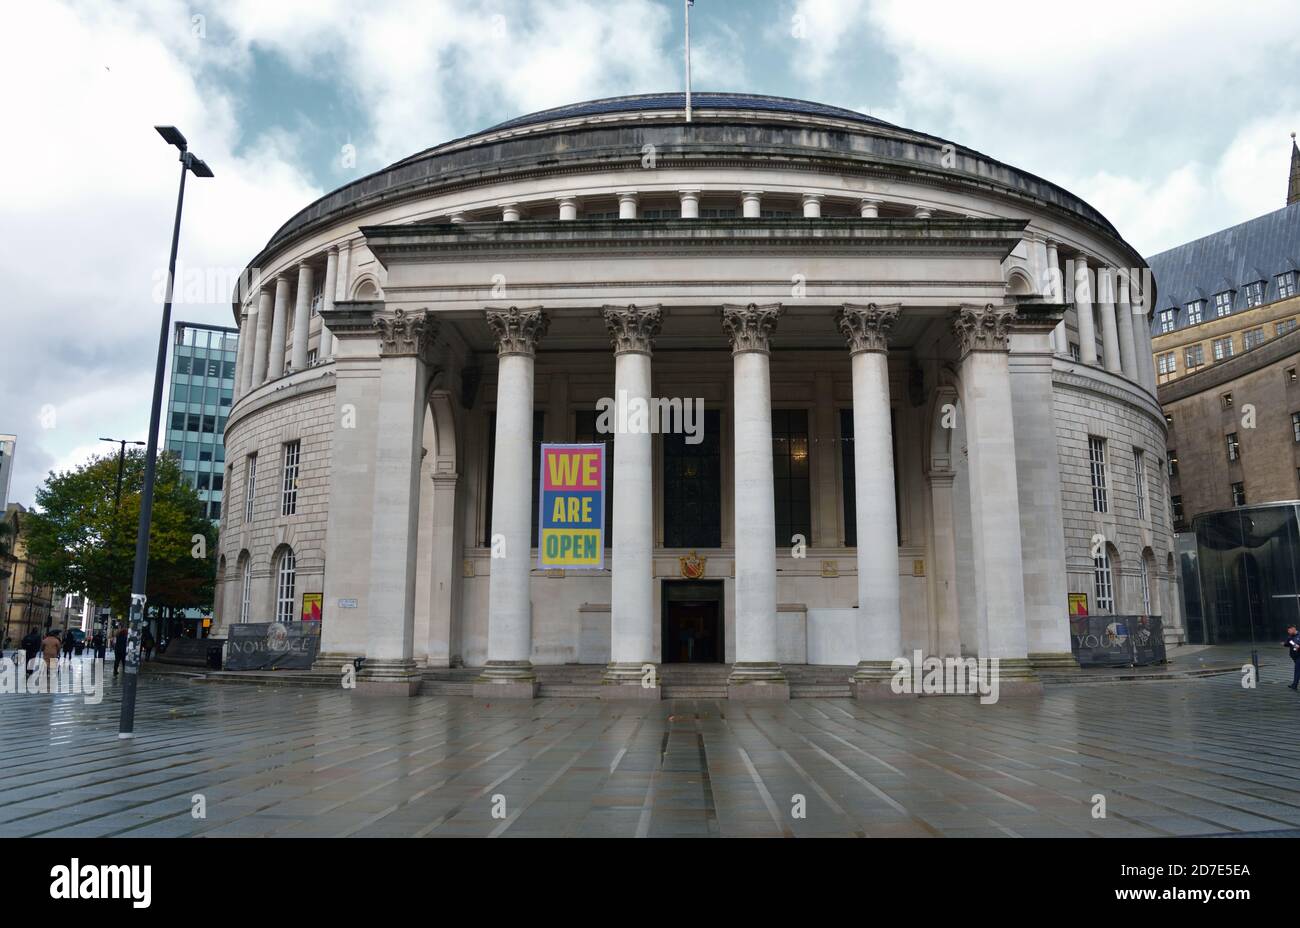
<point>1292,644</point>
<point>119,649</point>
<point>69,643</point>
<point>147,644</point>
<point>31,644</point>
<point>100,645</point>
<point>51,645</point>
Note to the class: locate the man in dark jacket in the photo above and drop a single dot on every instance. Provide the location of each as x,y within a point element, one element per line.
<point>69,642</point>
<point>119,650</point>
<point>100,645</point>
<point>31,644</point>
<point>1292,644</point>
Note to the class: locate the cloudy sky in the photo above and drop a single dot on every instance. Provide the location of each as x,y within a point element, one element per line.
<point>1172,118</point>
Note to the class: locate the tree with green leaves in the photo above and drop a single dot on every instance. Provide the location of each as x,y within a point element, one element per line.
<point>83,539</point>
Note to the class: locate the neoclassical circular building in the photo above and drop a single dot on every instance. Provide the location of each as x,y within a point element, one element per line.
<point>909,393</point>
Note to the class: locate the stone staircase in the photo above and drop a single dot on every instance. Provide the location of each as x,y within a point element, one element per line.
<point>678,681</point>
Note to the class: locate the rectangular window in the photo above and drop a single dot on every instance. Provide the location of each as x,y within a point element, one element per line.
<point>1074,352</point>
<point>1166,364</point>
<point>1195,310</point>
<point>1102,579</point>
<point>1286,325</point>
<point>1140,481</point>
<point>1097,463</point>
<point>714,212</point>
<point>289,485</point>
<point>214,510</point>
<point>1234,446</point>
<point>1146,586</point>
<point>1222,348</point>
<point>790,475</point>
<point>1168,318</point>
<point>1291,375</point>
<point>1173,463</point>
<point>1194,355</point>
<point>1252,338</point>
<point>250,486</point>
<point>1238,494</point>
<point>311,357</point>
<point>1285,285</point>
<point>1226,399</point>
<point>1176,509</point>
<point>1295,425</point>
<point>660,214</point>
<point>692,495</point>
<point>246,596</point>
<point>1254,294</point>
<point>1223,304</point>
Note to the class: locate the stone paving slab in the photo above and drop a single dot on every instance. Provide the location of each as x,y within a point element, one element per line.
<point>1199,757</point>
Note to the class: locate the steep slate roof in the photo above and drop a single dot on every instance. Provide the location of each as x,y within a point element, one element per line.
<point>1229,259</point>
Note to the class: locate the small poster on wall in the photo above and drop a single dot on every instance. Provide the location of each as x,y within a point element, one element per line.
<point>311,606</point>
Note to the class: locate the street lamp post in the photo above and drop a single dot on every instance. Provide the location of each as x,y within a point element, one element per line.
<point>126,723</point>
<point>117,493</point>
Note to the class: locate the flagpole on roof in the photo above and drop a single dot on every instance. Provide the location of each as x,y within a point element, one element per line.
<point>689,4</point>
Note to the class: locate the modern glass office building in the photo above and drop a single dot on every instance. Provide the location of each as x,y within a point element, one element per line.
<point>203,386</point>
<point>1245,573</point>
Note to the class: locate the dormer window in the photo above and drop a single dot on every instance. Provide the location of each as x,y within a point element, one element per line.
<point>1223,304</point>
<point>1254,294</point>
<point>1194,311</point>
<point>1167,320</point>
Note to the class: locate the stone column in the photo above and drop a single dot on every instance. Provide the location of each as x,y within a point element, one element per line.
<point>568,208</point>
<point>1106,309</point>
<point>982,334</point>
<point>509,670</point>
<point>632,330</point>
<point>879,618</point>
<point>342,291</point>
<point>325,350</point>
<point>248,339</point>
<point>1083,311</point>
<point>1124,313</point>
<point>1038,475</point>
<point>263,341</point>
<point>627,201</point>
<point>1054,292</point>
<point>922,212</point>
<point>1140,305</point>
<point>456,217</point>
<point>406,346</point>
<point>510,212</point>
<point>751,204</point>
<point>812,206</point>
<point>275,351</point>
<point>302,317</point>
<point>756,673</point>
<point>869,208</point>
<point>690,203</point>
<point>353,442</point>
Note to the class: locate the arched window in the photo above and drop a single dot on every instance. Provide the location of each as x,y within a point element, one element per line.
<point>284,587</point>
<point>246,590</point>
<point>1104,582</point>
<point>1145,574</point>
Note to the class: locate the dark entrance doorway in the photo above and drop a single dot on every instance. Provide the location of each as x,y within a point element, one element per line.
<point>693,622</point>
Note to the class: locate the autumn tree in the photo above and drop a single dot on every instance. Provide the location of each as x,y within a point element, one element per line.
<point>82,539</point>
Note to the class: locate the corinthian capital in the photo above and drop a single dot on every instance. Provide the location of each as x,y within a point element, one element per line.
<point>633,328</point>
<point>406,334</point>
<point>750,325</point>
<point>517,330</point>
<point>866,328</point>
<point>982,328</point>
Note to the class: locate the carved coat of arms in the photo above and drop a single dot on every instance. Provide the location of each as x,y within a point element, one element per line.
<point>693,565</point>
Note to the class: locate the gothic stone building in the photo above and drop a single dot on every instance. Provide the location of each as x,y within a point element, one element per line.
<point>928,412</point>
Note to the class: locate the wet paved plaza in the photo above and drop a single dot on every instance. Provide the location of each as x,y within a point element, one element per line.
<point>1188,758</point>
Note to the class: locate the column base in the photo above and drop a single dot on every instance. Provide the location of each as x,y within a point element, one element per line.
<point>873,680</point>
<point>386,677</point>
<point>626,680</point>
<point>758,681</point>
<point>1054,661</point>
<point>506,680</point>
<point>1017,677</point>
<point>333,661</point>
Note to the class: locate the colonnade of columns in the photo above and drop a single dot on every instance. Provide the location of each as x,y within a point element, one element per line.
<point>267,319</point>
<point>1105,294</point>
<point>981,333</point>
